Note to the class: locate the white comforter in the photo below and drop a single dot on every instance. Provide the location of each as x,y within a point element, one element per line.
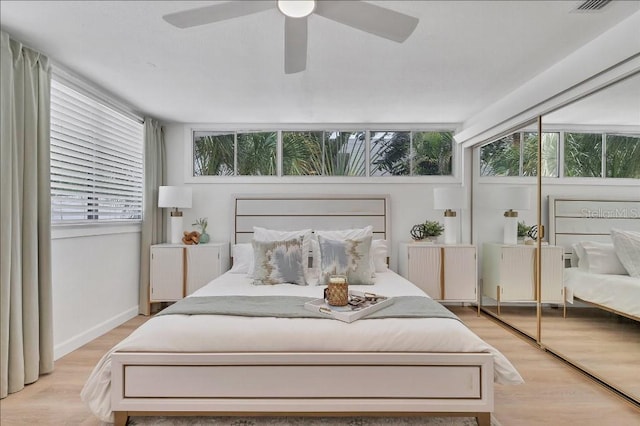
<point>617,292</point>
<point>219,333</point>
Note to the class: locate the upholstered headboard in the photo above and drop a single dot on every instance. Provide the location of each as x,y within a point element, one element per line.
<point>318,212</point>
<point>573,219</point>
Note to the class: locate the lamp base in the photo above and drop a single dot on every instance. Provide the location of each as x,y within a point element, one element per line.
<point>510,230</point>
<point>175,229</point>
<point>450,229</point>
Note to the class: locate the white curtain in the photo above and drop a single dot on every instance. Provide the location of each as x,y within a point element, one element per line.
<point>152,216</point>
<point>26,332</point>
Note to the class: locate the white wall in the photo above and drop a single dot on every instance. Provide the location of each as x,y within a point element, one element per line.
<point>411,203</point>
<point>95,283</point>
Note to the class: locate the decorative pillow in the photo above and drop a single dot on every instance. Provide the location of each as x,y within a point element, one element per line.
<point>242,258</point>
<point>264,234</point>
<point>598,258</point>
<point>278,262</point>
<point>627,246</point>
<point>348,257</point>
<point>378,255</point>
<point>345,234</point>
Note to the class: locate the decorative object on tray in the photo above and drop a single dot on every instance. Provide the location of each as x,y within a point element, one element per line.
<point>360,304</point>
<point>337,291</point>
<point>191,238</point>
<point>202,223</point>
<point>428,230</point>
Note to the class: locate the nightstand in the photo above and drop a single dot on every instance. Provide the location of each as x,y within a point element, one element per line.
<point>447,273</point>
<point>178,270</point>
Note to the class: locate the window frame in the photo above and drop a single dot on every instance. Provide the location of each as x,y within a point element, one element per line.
<point>188,161</point>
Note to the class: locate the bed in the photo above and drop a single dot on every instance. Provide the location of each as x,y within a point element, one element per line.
<point>230,365</point>
<point>584,228</point>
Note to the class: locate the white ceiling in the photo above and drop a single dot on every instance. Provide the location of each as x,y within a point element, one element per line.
<point>616,105</point>
<point>462,57</point>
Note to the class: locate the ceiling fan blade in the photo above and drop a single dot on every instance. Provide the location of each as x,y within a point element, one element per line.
<point>216,13</point>
<point>370,18</point>
<point>295,45</point>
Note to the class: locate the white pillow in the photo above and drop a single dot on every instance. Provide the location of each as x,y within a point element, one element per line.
<point>379,253</point>
<point>599,258</point>
<point>347,234</point>
<point>242,258</point>
<point>264,234</point>
<point>627,246</point>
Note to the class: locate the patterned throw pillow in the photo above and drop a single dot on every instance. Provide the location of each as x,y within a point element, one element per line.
<point>278,262</point>
<point>348,257</point>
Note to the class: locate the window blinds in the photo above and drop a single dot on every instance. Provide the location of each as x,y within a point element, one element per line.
<point>96,160</point>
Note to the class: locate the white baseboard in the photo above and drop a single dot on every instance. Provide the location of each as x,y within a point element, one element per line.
<point>75,342</point>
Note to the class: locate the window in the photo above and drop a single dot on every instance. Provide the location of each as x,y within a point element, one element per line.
<point>583,155</point>
<point>302,153</point>
<point>502,157</point>
<point>588,155</point>
<point>96,160</point>
<point>323,153</point>
<point>257,153</point>
<point>213,153</point>
<point>433,153</point>
<point>390,153</point>
<point>623,156</point>
<point>549,164</point>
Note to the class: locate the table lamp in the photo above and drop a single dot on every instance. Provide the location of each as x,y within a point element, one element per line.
<point>449,199</point>
<point>513,198</point>
<point>175,197</point>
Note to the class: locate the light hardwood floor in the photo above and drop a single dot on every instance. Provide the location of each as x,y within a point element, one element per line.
<point>554,394</point>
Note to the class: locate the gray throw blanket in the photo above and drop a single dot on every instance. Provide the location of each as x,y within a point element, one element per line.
<point>293,307</point>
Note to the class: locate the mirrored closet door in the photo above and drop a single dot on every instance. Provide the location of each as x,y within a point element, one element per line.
<point>594,321</point>
<point>504,200</point>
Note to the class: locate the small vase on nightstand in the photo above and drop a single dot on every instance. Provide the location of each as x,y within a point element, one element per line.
<point>204,238</point>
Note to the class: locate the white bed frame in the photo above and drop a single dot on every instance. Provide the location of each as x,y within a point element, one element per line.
<point>321,384</point>
<point>575,219</point>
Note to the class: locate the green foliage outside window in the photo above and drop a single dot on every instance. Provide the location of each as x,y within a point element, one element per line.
<point>623,156</point>
<point>323,153</point>
<point>549,166</point>
<point>213,154</point>
<point>257,154</point>
<point>502,157</point>
<point>583,154</point>
<point>390,153</point>
<point>433,153</point>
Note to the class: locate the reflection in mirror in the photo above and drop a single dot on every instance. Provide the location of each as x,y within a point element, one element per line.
<point>598,191</point>
<point>503,215</point>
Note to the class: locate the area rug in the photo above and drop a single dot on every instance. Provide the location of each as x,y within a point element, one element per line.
<point>305,421</point>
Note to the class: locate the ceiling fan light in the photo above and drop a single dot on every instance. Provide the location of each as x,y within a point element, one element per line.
<point>296,8</point>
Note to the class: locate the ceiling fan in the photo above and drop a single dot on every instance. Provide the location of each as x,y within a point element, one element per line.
<point>361,15</point>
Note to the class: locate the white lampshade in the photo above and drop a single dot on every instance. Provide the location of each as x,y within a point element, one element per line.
<point>449,199</point>
<point>515,198</point>
<point>175,197</point>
